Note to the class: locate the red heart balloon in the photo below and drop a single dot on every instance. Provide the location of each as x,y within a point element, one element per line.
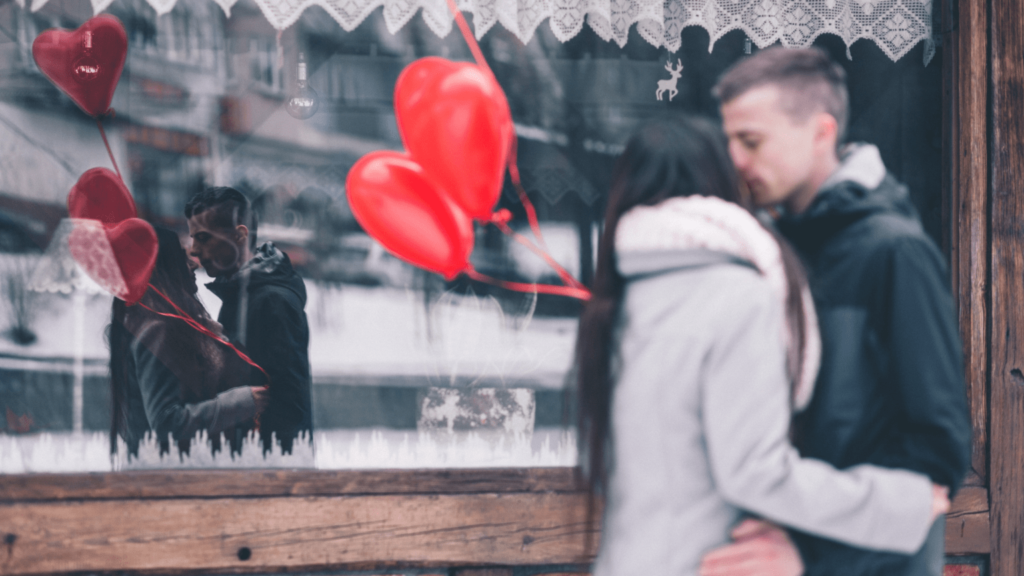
<point>120,257</point>
<point>100,195</point>
<point>85,63</point>
<point>398,205</point>
<point>455,121</point>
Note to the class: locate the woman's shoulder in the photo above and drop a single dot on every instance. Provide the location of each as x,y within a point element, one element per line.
<point>145,326</point>
<point>703,300</point>
<point>702,286</point>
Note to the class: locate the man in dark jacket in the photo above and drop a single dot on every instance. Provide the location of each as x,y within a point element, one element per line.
<point>263,306</point>
<point>890,390</point>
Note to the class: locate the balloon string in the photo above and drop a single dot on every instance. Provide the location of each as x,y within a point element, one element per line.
<point>570,291</point>
<point>500,222</point>
<point>182,315</point>
<point>531,212</point>
<point>474,48</point>
<point>110,152</point>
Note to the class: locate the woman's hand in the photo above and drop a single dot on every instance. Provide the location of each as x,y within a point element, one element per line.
<point>940,501</point>
<point>759,548</point>
<point>261,395</point>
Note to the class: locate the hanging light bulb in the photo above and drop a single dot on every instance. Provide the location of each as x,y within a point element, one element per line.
<point>303,101</point>
<point>85,69</point>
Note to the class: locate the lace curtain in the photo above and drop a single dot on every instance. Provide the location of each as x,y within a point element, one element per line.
<point>895,26</point>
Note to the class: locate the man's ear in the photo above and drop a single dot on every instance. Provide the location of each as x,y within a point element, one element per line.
<point>827,130</point>
<point>242,235</point>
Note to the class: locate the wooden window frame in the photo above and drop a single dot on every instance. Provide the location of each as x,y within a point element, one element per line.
<point>983,59</point>
<point>269,520</point>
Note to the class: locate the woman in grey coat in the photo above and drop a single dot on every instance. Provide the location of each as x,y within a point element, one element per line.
<point>698,344</point>
<point>169,379</point>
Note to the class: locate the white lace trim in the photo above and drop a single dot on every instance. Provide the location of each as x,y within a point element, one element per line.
<point>895,26</point>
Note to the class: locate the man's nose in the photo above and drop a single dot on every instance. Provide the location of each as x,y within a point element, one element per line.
<point>739,157</point>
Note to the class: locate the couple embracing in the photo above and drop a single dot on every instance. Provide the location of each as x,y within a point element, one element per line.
<point>247,370</point>
<point>738,375</point>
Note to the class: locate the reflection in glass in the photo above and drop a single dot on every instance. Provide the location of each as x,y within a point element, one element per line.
<point>168,378</point>
<point>407,370</point>
<point>85,69</point>
<point>303,101</point>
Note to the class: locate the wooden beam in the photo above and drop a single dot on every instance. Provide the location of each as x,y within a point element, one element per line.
<point>250,483</point>
<point>321,532</point>
<point>307,533</point>
<point>965,183</point>
<point>1007,318</point>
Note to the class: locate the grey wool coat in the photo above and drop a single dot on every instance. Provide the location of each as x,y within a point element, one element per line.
<point>700,421</point>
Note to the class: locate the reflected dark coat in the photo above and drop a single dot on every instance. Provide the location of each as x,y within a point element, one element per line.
<point>263,309</point>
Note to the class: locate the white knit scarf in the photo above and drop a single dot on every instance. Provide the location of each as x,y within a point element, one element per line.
<point>702,222</point>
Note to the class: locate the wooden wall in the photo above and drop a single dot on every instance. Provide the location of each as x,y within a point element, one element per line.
<point>984,136</point>
<point>1006,159</point>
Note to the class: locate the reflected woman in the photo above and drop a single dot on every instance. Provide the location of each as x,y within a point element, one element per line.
<point>169,378</point>
<point>699,342</point>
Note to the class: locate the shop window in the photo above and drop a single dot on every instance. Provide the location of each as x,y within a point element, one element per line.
<point>408,369</point>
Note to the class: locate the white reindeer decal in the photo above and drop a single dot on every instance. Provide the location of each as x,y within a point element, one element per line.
<point>669,84</point>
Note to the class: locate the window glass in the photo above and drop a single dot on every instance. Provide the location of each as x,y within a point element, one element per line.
<point>405,368</point>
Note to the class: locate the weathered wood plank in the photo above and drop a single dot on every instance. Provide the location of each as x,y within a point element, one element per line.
<point>317,532</point>
<point>293,533</point>
<point>967,534</point>
<point>1007,286</point>
<point>967,524</point>
<point>970,500</point>
<point>223,483</point>
<point>965,182</point>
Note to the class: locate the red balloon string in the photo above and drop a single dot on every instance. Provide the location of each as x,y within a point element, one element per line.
<point>570,291</point>
<point>564,275</point>
<point>183,316</point>
<point>103,133</point>
<point>474,48</point>
<point>531,212</point>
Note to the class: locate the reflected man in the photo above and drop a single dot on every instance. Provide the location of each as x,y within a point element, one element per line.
<point>263,301</point>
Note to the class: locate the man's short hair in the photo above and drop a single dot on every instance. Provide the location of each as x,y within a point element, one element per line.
<point>227,207</point>
<point>812,82</point>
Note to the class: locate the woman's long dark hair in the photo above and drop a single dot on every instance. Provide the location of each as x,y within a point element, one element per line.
<point>674,157</point>
<point>172,276</point>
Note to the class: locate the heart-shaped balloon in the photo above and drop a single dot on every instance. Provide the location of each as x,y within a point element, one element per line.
<point>100,195</point>
<point>120,257</point>
<point>398,205</point>
<point>85,63</point>
<point>455,121</point>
